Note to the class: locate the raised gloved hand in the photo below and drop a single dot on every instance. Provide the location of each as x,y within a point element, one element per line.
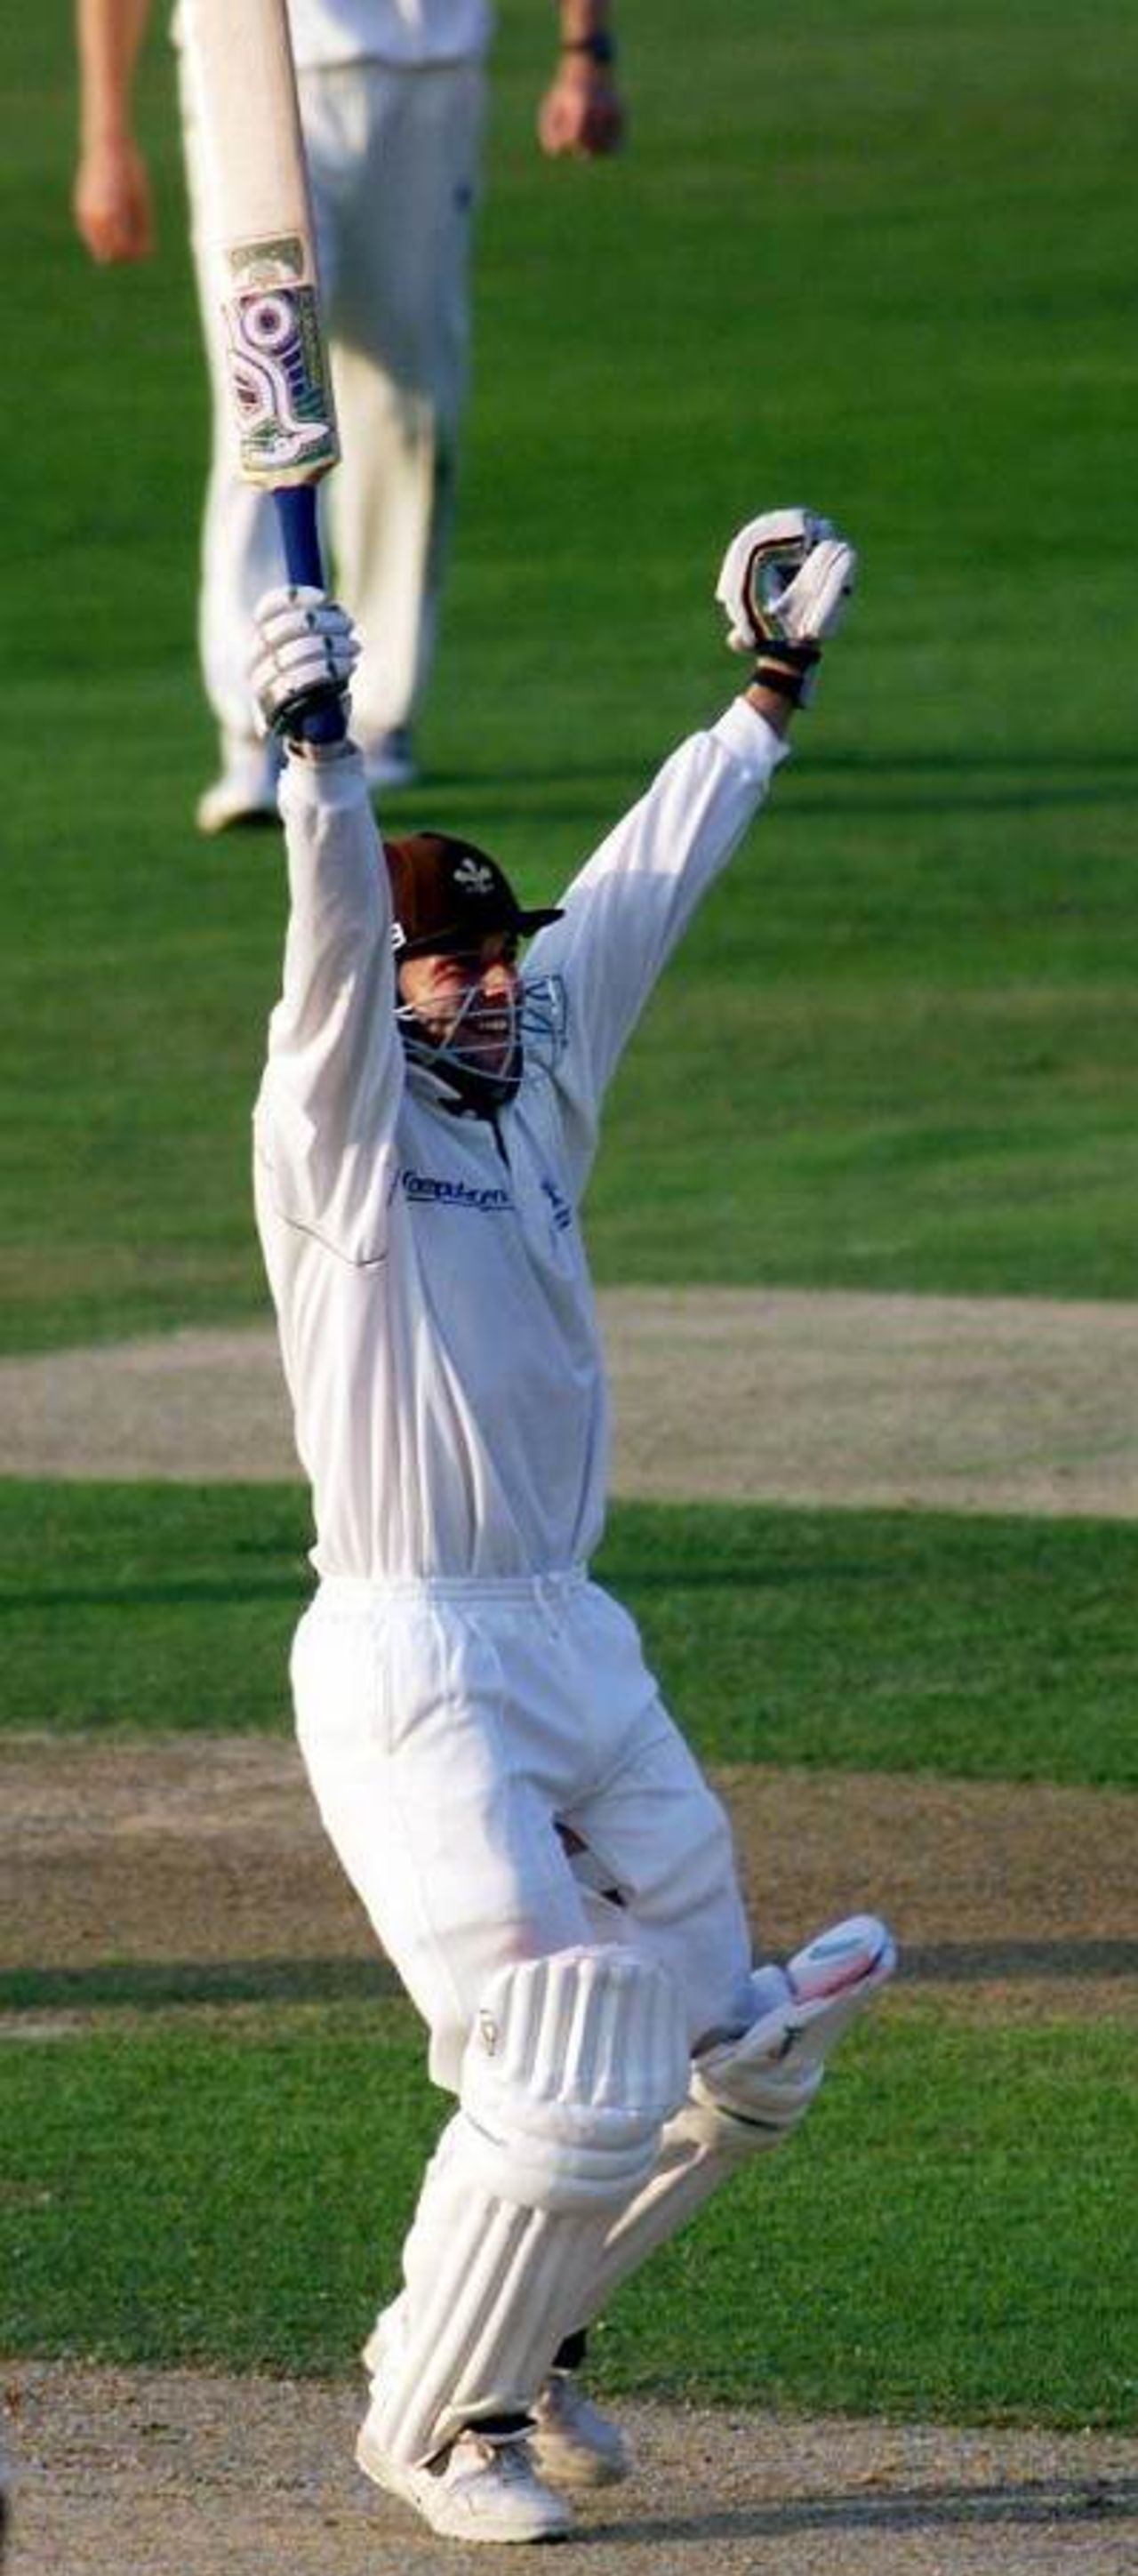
<point>784,583</point>
<point>305,650</point>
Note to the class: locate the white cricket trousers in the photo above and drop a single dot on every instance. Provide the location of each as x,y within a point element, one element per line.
<point>449,1728</point>
<point>393,157</point>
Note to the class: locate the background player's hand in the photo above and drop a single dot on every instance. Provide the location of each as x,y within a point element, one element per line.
<point>784,585</point>
<point>305,650</point>
<point>581,114</point>
<point>111,202</point>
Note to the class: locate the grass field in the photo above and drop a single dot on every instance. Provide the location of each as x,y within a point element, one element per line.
<point>978,1649</point>
<point>148,2170</point>
<point>876,258</point>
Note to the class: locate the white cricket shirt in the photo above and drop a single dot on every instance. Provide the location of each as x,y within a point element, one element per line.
<point>435,1313</point>
<point>409,32</point>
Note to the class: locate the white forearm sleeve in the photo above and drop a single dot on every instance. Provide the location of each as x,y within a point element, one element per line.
<point>334,1076</point>
<point>631,903</point>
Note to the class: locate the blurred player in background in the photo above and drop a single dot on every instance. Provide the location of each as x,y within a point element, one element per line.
<point>392,103</point>
<point>539,1852</point>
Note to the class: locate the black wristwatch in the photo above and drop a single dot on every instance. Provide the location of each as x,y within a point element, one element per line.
<point>600,48</point>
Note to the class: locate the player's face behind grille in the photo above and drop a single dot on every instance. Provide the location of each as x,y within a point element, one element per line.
<point>468,1017</point>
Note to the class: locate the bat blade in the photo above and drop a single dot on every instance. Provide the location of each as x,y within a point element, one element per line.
<point>244,87</point>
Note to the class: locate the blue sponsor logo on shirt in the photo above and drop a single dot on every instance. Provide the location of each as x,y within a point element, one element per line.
<point>425,1186</point>
<point>562,1212</point>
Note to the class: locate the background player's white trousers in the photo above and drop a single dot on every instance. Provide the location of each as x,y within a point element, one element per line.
<point>448,1728</point>
<point>394,161</point>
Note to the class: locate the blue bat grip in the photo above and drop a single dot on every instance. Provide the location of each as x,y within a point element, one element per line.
<point>300,536</point>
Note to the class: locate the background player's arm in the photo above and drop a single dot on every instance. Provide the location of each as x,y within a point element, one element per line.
<point>111,196</point>
<point>582,114</point>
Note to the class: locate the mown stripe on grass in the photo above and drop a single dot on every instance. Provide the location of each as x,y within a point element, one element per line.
<point>143,1986</point>
<point>994,1649</point>
<point>954,2236</point>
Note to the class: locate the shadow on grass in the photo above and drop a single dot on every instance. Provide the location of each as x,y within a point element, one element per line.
<point>156,1985</point>
<point>1024,781</point>
<point>473,776</point>
<point>956,762</point>
<point>153,1986</point>
<point>158,1596</point>
<point>920,763</point>
<point>1031,2501</point>
<point>959,797</point>
<point>958,1963</point>
<point>296,1587</point>
<point>1028,780</point>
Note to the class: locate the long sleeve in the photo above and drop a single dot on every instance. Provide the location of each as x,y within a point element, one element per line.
<point>630,904</point>
<point>333,1081</point>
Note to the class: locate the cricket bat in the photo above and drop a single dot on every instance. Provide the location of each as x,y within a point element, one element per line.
<point>243,84</point>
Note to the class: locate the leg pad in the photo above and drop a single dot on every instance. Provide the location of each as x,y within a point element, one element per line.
<point>573,2066</point>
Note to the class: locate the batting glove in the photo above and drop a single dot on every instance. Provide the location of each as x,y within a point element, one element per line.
<point>305,651</point>
<point>784,583</point>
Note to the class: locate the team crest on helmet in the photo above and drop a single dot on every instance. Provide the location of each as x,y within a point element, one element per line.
<point>474,876</point>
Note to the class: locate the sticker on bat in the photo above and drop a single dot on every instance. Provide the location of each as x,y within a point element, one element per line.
<point>278,371</point>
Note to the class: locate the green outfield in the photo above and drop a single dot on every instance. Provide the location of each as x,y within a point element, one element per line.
<point>182,2195</point>
<point>876,258</point>
<point>882,1641</point>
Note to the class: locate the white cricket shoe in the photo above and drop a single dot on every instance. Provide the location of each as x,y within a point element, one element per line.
<point>246,791</point>
<point>572,2442</point>
<point>481,2489</point>
<point>389,759</point>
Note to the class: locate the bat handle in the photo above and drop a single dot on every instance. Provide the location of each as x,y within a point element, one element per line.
<point>300,533</point>
<point>295,504</point>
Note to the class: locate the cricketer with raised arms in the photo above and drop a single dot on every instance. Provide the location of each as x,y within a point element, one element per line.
<point>539,1853</point>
